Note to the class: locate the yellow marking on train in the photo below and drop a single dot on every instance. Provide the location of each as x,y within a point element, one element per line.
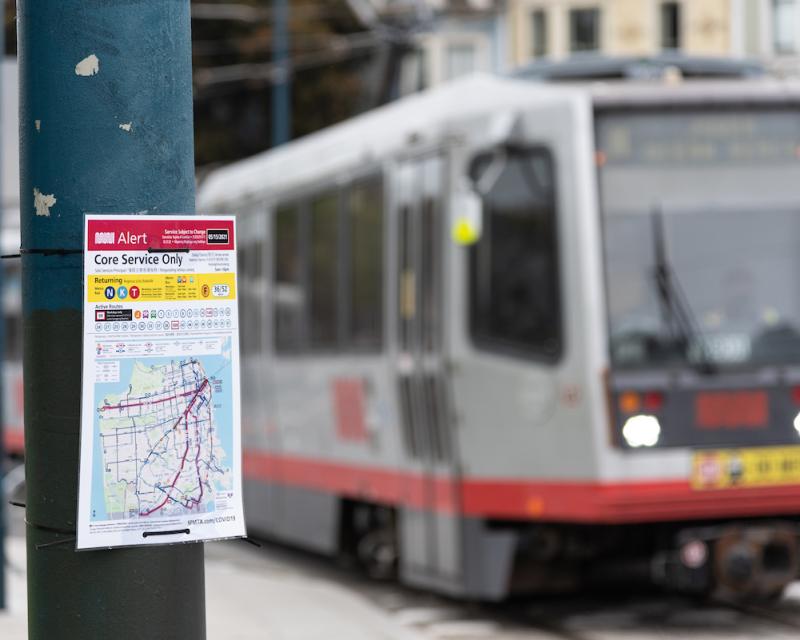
<point>757,467</point>
<point>535,506</point>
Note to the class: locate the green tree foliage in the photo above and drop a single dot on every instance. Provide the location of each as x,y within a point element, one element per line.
<point>233,117</point>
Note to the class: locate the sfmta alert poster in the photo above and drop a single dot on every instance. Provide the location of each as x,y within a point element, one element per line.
<point>160,420</point>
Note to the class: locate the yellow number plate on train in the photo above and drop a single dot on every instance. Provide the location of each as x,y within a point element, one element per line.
<point>759,467</point>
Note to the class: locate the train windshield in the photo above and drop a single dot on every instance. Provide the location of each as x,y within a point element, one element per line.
<point>701,225</point>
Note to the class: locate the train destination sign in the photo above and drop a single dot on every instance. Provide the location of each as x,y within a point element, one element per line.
<point>160,418</point>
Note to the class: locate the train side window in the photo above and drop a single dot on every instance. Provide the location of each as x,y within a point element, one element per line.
<point>251,269</point>
<point>324,271</point>
<point>257,287</point>
<point>288,298</point>
<point>515,301</point>
<point>250,256</point>
<point>366,275</point>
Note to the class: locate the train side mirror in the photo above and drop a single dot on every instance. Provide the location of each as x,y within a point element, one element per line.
<point>483,173</point>
<point>470,196</point>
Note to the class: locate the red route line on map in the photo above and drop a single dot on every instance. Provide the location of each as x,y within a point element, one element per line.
<point>199,499</point>
<point>140,404</point>
<point>185,453</point>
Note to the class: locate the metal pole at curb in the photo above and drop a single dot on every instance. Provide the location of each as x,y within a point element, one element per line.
<point>105,127</point>
<point>3,213</point>
<point>282,88</point>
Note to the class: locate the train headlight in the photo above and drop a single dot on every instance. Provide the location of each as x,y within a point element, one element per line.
<point>797,423</point>
<point>641,431</point>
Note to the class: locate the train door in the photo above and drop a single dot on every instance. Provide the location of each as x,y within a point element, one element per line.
<point>252,235</point>
<point>429,544</point>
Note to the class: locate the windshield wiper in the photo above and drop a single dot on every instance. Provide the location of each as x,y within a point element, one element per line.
<point>675,307</point>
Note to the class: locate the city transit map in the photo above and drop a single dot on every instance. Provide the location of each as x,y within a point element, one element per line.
<point>161,444</point>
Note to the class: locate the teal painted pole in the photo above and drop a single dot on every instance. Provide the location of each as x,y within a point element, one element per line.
<point>105,127</point>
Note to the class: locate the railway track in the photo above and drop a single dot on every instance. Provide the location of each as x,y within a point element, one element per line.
<point>592,617</point>
<point>785,614</point>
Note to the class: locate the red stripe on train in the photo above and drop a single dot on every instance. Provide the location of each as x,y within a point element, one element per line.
<point>372,484</point>
<point>13,440</point>
<point>580,501</point>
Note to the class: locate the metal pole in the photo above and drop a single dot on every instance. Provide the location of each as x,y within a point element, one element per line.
<point>105,127</point>
<point>281,89</point>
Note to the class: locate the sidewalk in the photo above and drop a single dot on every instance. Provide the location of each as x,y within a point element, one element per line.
<point>248,596</point>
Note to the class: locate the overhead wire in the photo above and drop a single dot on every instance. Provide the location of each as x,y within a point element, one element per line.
<point>302,42</point>
<point>342,48</point>
<point>254,14</point>
<point>271,72</point>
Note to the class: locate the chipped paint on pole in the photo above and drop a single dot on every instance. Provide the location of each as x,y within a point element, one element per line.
<point>43,202</point>
<point>105,127</point>
<point>89,66</point>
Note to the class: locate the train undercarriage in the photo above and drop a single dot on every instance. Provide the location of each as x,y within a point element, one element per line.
<point>726,560</point>
<point>750,560</point>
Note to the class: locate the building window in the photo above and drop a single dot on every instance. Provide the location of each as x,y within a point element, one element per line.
<point>584,30</point>
<point>784,25</point>
<point>460,60</point>
<point>515,301</point>
<point>539,33</point>
<point>414,72</point>
<point>670,25</point>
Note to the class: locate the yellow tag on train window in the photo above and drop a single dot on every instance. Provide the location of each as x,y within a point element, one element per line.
<point>465,232</point>
<point>466,217</point>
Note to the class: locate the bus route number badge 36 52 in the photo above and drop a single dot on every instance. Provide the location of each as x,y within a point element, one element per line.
<point>161,443</point>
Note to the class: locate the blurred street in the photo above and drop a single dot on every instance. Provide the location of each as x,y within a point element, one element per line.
<point>278,593</point>
<point>485,302</point>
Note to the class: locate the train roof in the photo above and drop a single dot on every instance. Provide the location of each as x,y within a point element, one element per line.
<point>763,90</point>
<point>416,119</point>
<point>595,67</point>
<point>426,117</point>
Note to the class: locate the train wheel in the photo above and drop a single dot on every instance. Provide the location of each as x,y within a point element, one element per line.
<point>377,553</point>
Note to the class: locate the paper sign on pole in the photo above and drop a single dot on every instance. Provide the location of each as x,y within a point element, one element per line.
<point>160,421</point>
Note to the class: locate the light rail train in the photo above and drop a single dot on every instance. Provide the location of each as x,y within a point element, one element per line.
<point>11,304</point>
<point>506,337</point>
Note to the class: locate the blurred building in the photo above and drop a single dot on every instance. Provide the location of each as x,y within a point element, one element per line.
<point>771,31</point>
<point>765,29</point>
<point>455,37</point>
<point>461,37</point>
<point>441,39</point>
<point>560,28</point>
